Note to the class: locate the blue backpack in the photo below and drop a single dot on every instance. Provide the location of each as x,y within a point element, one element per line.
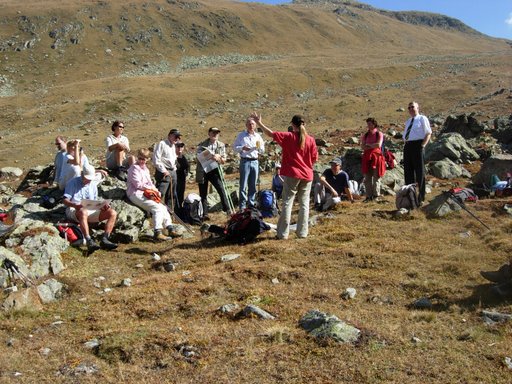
<point>267,203</point>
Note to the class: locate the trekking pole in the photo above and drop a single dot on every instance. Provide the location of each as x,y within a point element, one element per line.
<point>463,206</point>
<point>171,209</point>
<point>226,191</point>
<point>13,269</point>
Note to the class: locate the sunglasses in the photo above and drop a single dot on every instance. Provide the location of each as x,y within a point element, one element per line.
<point>410,107</point>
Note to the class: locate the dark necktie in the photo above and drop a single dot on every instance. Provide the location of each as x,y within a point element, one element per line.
<point>408,132</point>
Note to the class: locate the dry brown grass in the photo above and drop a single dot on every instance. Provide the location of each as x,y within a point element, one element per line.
<point>391,263</point>
<point>346,70</point>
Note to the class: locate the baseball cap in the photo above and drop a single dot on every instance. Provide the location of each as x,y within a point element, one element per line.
<point>336,160</point>
<point>214,129</point>
<point>181,144</point>
<point>175,132</point>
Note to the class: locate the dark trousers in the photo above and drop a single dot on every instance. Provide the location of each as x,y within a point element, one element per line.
<point>414,166</point>
<point>214,178</point>
<point>167,187</point>
<point>180,194</point>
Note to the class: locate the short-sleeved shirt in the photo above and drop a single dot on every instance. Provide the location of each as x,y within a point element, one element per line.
<point>76,191</point>
<point>296,162</point>
<point>420,128</point>
<point>339,182</point>
<point>111,140</point>
<point>69,170</point>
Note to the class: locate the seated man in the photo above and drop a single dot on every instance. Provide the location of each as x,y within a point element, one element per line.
<point>72,164</point>
<point>86,187</point>
<point>333,185</point>
<point>277,182</point>
<point>60,157</point>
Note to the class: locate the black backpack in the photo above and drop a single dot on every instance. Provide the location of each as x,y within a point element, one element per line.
<point>245,226</point>
<point>193,210</point>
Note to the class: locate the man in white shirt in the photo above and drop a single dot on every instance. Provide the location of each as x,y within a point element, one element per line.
<point>416,136</point>
<point>164,160</point>
<point>249,144</point>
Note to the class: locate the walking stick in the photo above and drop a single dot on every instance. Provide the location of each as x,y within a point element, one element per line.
<point>224,186</point>
<point>171,210</point>
<point>463,206</point>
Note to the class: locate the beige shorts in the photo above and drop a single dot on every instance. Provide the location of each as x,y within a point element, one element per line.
<point>93,215</point>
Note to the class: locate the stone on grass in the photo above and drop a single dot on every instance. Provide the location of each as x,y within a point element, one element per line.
<point>25,299</point>
<point>323,326</point>
<point>10,172</point>
<point>253,310</point>
<point>422,303</point>
<point>349,294</point>
<point>50,290</point>
<point>228,308</point>
<point>496,317</point>
<point>229,257</point>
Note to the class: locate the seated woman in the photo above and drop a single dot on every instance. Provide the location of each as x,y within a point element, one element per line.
<point>118,148</point>
<point>143,193</point>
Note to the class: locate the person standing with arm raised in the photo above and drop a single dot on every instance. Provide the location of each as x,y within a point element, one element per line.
<point>249,144</point>
<point>416,136</point>
<point>299,156</point>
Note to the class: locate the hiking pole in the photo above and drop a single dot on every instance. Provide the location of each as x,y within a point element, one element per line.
<point>226,191</point>
<point>13,269</point>
<point>171,208</point>
<point>463,206</point>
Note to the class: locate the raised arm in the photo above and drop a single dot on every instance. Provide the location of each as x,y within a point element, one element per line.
<point>257,119</point>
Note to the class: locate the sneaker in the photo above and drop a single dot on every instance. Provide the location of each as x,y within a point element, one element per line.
<point>161,237</point>
<point>107,244</point>
<point>92,246</point>
<point>204,230</point>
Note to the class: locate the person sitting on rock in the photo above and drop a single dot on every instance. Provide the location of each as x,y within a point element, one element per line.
<point>333,186</point>
<point>502,279</point>
<point>118,147</point>
<point>143,193</point>
<point>60,157</point>
<point>73,164</point>
<point>85,187</point>
<point>277,182</point>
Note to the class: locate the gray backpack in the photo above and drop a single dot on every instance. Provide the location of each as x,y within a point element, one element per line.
<point>407,197</point>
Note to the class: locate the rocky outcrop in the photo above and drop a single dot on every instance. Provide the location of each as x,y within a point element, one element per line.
<point>465,125</point>
<point>498,165</point>
<point>452,146</point>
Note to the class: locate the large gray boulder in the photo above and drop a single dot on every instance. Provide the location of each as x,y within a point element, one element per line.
<point>498,165</point>
<point>45,250</point>
<point>112,188</point>
<point>452,146</point>
<point>447,169</point>
<point>503,129</point>
<point>466,125</point>
<point>325,326</point>
<point>11,172</point>
<point>393,178</point>
<point>50,290</point>
<point>25,299</point>
<point>441,205</point>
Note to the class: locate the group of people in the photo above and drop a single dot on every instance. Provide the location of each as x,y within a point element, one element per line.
<point>294,174</point>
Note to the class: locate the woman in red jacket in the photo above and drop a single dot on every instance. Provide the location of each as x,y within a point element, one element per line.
<point>298,157</point>
<point>373,165</point>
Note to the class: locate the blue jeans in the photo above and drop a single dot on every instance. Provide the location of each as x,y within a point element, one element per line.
<point>248,176</point>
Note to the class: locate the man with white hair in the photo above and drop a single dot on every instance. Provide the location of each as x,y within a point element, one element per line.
<point>85,187</point>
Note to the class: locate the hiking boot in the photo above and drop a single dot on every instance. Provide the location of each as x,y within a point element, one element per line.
<point>107,244</point>
<point>172,232</point>
<point>92,246</point>
<point>368,200</point>
<point>161,237</point>
<point>501,275</point>
<point>204,230</point>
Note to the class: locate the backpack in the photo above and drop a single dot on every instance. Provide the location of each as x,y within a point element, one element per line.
<point>71,232</point>
<point>245,226</point>
<point>463,194</point>
<point>407,198</point>
<point>267,203</point>
<point>193,209</point>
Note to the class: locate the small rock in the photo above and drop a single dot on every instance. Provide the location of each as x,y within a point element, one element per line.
<point>275,280</point>
<point>107,290</point>
<point>126,282</point>
<point>228,308</point>
<point>508,362</point>
<point>58,322</point>
<point>139,266</point>
<point>91,344</point>
<point>169,266</point>
<point>415,340</point>
<point>10,342</point>
<point>45,351</point>
<point>349,294</point>
<point>230,257</point>
<point>250,310</point>
<point>465,235</point>
<point>155,257</point>
<point>423,303</point>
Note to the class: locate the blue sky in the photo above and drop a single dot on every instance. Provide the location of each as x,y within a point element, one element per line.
<point>492,17</point>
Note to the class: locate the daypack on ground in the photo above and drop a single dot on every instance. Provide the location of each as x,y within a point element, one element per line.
<point>193,209</point>
<point>267,203</point>
<point>244,226</point>
<point>407,197</point>
<point>71,232</point>
<point>463,194</point>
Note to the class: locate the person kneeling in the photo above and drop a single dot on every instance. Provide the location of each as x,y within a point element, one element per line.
<point>143,193</point>
<point>85,187</point>
<point>333,186</point>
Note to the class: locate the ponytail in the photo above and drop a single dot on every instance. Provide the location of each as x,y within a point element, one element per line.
<point>302,136</point>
